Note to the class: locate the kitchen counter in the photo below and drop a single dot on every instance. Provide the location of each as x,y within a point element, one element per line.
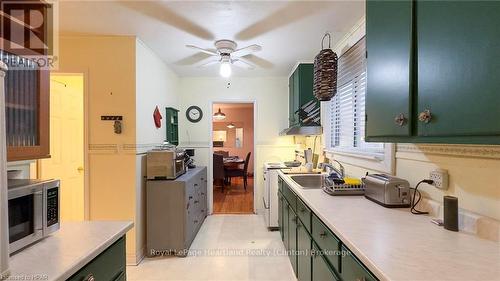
<point>396,245</point>
<point>63,253</point>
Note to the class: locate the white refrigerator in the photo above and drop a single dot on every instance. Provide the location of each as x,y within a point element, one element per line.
<point>4,234</point>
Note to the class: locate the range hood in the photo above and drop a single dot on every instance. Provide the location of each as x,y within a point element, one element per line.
<point>302,131</point>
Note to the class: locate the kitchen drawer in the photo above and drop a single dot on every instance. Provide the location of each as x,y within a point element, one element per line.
<point>290,196</point>
<point>353,269</point>
<point>327,242</point>
<point>304,214</point>
<point>107,266</point>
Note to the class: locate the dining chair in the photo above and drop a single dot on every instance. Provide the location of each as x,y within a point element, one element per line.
<point>218,169</point>
<point>232,173</point>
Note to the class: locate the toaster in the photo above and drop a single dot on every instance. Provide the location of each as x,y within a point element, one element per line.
<point>388,191</point>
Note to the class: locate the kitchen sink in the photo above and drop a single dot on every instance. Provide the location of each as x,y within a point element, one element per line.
<point>313,181</point>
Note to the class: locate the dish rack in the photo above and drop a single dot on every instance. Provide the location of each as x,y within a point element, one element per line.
<point>345,189</point>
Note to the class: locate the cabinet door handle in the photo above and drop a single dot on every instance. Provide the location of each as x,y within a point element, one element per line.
<point>196,201</point>
<point>299,225</point>
<point>89,277</point>
<point>400,119</point>
<point>425,116</point>
<point>190,197</point>
<point>195,184</point>
<point>302,210</point>
<point>322,234</point>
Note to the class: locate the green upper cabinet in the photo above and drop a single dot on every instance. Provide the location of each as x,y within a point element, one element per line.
<point>458,45</point>
<point>449,50</point>
<point>172,125</point>
<point>300,91</point>
<point>388,39</point>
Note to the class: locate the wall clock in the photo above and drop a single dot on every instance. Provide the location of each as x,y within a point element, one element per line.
<point>194,113</point>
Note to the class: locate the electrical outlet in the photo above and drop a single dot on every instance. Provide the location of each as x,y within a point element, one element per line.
<point>440,178</point>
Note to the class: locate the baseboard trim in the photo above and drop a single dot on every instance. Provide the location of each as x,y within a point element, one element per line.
<point>135,259</point>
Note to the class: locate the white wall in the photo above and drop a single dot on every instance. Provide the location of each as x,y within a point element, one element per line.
<point>156,85</point>
<point>473,170</point>
<point>271,97</point>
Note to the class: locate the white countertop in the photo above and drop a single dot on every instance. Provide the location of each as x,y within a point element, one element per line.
<point>396,245</point>
<point>63,253</point>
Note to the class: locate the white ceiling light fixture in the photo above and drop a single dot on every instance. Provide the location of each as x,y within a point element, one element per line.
<point>227,55</point>
<point>231,125</point>
<point>225,67</point>
<point>219,115</point>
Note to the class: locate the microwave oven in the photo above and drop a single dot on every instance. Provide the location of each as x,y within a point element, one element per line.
<point>165,164</point>
<point>33,211</point>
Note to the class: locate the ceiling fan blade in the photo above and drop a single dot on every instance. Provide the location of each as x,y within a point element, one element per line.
<point>258,61</point>
<point>243,63</point>
<point>246,51</point>
<point>193,59</point>
<point>206,51</point>
<point>207,62</point>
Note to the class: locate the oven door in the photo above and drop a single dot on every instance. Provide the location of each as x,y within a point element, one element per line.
<point>25,216</point>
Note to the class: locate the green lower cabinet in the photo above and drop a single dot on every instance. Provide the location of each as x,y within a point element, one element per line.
<point>108,266</point>
<point>321,271</point>
<point>353,269</point>
<point>284,228</point>
<point>327,241</point>
<point>304,246</point>
<point>292,238</point>
<point>280,214</point>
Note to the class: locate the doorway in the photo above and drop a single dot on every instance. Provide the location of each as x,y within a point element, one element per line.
<point>67,143</point>
<point>233,157</point>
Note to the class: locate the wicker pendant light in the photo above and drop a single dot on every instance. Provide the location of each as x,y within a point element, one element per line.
<point>325,72</point>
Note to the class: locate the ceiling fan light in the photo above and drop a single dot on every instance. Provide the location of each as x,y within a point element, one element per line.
<point>219,115</point>
<point>225,70</point>
<point>231,125</point>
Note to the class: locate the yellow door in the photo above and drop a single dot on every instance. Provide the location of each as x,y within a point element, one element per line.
<point>67,143</point>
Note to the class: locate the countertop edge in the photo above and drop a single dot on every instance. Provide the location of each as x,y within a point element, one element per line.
<point>367,262</point>
<point>95,252</point>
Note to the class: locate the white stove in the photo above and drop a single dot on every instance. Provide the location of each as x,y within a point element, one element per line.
<point>270,197</point>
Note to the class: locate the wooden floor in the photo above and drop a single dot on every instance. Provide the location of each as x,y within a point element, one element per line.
<point>234,199</point>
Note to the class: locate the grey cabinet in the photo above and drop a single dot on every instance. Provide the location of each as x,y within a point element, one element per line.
<point>176,210</point>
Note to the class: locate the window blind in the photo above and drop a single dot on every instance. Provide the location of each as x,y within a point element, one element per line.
<point>347,108</point>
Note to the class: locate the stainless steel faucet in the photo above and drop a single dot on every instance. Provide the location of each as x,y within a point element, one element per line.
<point>340,172</point>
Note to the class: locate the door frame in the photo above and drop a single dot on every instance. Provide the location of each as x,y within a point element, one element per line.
<point>211,147</point>
<point>86,172</point>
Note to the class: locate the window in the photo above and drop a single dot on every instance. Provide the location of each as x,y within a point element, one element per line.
<point>347,108</point>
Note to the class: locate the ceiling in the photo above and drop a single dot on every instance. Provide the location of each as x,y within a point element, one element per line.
<point>288,31</point>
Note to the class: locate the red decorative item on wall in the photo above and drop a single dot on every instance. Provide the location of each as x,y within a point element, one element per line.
<point>157,117</point>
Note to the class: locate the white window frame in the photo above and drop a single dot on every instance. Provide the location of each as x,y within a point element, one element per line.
<point>373,161</point>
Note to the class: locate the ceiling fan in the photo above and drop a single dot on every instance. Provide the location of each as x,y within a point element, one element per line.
<point>226,54</point>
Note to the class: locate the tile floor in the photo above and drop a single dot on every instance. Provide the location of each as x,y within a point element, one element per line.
<point>244,236</point>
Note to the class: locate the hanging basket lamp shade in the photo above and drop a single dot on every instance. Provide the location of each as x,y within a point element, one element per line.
<point>219,115</point>
<point>325,72</point>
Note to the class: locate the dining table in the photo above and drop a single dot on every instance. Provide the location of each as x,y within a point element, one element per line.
<point>233,161</point>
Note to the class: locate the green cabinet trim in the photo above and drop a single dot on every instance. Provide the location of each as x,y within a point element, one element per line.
<point>109,265</point>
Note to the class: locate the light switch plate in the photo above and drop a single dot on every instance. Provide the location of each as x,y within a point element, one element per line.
<point>440,178</point>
